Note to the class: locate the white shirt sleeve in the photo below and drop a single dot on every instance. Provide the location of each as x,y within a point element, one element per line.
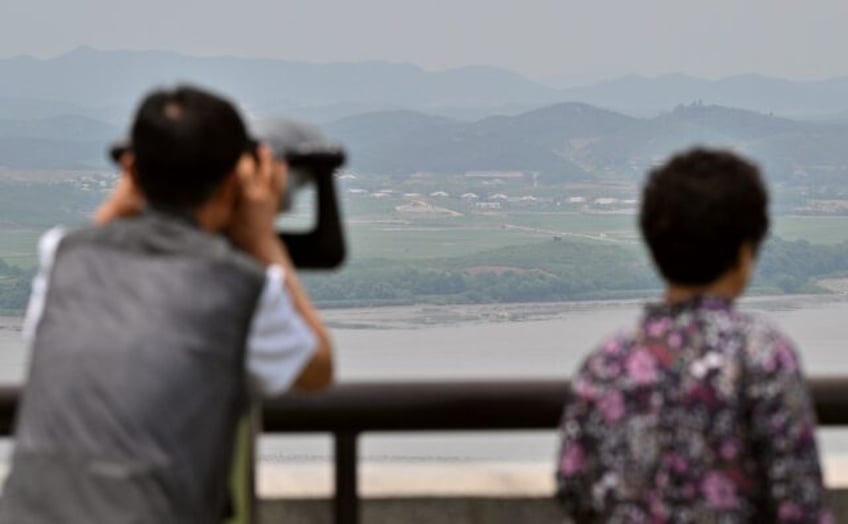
<point>47,246</point>
<point>280,344</point>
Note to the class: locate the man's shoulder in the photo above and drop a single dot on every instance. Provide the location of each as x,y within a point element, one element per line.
<point>141,237</point>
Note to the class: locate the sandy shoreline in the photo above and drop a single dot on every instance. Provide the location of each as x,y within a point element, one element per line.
<point>837,286</point>
<point>427,315</point>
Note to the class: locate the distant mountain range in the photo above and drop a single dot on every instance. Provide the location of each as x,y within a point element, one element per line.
<point>398,118</point>
<point>61,142</point>
<point>574,141</point>
<point>107,84</point>
<point>566,141</point>
<point>644,96</point>
<point>405,142</point>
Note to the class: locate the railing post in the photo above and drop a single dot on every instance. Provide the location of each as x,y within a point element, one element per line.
<point>346,503</point>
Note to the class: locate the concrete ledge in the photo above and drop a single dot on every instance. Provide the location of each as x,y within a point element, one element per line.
<point>442,480</point>
<point>459,510</point>
<point>412,480</point>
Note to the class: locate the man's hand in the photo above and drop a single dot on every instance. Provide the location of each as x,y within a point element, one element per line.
<point>260,187</point>
<point>252,229</point>
<point>125,200</point>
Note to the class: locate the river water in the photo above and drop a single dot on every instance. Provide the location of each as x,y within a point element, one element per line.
<point>499,342</point>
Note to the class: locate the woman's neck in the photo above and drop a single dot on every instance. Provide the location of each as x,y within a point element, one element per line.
<point>726,288</point>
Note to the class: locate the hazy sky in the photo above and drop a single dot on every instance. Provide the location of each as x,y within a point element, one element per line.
<point>563,39</point>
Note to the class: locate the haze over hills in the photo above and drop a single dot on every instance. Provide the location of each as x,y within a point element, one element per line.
<point>106,84</point>
<point>533,141</point>
<point>560,142</point>
<point>60,142</point>
<point>399,119</point>
<point>65,127</point>
<point>646,96</point>
<point>573,141</point>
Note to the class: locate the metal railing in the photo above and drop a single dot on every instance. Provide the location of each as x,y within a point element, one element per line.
<point>349,410</point>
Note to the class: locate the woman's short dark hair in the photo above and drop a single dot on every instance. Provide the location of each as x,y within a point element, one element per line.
<point>698,209</point>
<point>185,142</point>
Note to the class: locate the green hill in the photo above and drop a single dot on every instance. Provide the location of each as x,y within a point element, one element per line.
<point>574,141</point>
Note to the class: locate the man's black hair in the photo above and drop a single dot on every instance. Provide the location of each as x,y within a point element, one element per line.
<point>698,210</point>
<point>185,142</point>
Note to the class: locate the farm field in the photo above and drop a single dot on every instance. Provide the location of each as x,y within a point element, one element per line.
<point>814,229</point>
<point>470,234</point>
<point>393,237</point>
<point>420,250</point>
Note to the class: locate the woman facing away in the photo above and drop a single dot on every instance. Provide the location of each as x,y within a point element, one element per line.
<point>701,414</point>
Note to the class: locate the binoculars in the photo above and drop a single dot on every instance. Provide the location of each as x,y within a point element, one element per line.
<point>312,160</point>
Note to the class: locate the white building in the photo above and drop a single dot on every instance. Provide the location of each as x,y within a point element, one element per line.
<point>605,201</point>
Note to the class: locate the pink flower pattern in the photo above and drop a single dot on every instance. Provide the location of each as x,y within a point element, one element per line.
<point>642,367</point>
<point>573,460</point>
<point>711,446</point>
<point>611,406</point>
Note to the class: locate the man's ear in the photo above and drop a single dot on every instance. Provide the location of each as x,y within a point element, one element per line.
<point>227,193</point>
<point>217,211</point>
<point>127,163</point>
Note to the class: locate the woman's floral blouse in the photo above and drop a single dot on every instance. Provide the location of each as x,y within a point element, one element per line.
<point>701,416</point>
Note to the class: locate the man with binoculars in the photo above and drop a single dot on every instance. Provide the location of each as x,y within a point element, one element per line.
<point>149,329</point>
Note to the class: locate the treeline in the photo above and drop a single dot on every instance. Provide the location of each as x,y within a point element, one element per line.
<point>552,271</point>
<point>549,271</point>
<point>544,272</point>
<point>791,267</point>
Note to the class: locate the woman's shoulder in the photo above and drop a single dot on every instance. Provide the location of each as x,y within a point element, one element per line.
<point>605,362</point>
<point>766,346</point>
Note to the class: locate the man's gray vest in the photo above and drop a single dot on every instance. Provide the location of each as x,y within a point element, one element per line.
<point>136,380</point>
